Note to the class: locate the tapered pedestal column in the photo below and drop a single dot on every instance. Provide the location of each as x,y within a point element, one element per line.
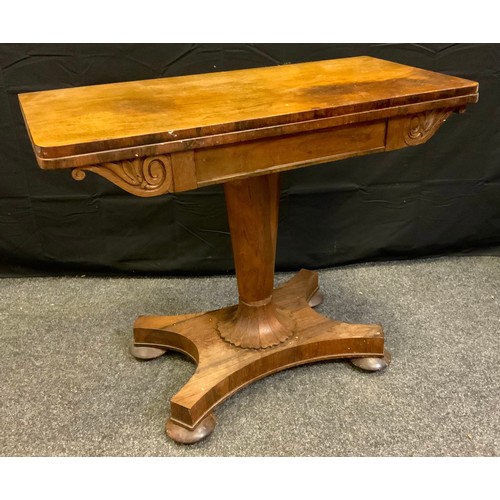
<point>267,331</point>
<point>252,210</point>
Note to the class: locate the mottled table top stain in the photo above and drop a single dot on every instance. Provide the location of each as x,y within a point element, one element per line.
<point>100,117</point>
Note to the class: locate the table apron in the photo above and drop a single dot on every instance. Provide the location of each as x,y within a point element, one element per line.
<point>222,163</point>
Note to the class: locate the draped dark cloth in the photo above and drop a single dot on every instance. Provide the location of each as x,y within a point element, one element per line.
<point>442,197</point>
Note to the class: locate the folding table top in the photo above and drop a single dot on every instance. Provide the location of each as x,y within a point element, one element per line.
<point>84,120</point>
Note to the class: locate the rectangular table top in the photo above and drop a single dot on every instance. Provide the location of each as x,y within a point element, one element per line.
<point>86,120</point>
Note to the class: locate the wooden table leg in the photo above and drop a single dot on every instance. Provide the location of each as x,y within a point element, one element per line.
<point>252,210</point>
<point>267,331</point>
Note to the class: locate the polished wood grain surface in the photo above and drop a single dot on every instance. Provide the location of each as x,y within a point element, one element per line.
<point>75,121</point>
<point>242,128</point>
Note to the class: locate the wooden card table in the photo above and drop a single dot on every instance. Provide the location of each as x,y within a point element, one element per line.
<point>241,128</point>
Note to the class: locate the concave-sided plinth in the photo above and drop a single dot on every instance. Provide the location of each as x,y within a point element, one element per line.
<point>224,368</point>
<point>267,331</point>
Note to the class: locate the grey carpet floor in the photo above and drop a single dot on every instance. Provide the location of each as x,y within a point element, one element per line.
<point>69,387</point>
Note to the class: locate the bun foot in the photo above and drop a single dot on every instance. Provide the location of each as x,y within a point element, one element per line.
<point>316,299</point>
<point>146,353</point>
<point>186,436</point>
<point>373,364</point>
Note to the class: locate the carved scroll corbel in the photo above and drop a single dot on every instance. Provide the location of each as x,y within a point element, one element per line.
<point>414,129</point>
<point>146,176</point>
<point>422,126</point>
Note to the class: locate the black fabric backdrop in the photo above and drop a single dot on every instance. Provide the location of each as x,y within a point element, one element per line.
<point>438,198</point>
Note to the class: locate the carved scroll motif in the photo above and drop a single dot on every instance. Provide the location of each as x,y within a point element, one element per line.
<point>422,126</point>
<point>146,176</point>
